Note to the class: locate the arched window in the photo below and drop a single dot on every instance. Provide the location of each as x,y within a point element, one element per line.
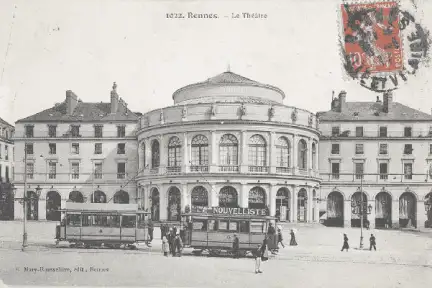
<point>228,150</point>
<point>199,153</point>
<point>283,156</point>
<point>314,157</point>
<point>302,154</point>
<point>155,154</point>
<point>121,197</point>
<point>257,151</point>
<point>257,198</point>
<point>174,152</point>
<point>98,197</point>
<point>199,196</point>
<point>228,197</point>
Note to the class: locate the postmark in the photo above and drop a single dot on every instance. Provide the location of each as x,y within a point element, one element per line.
<point>382,45</point>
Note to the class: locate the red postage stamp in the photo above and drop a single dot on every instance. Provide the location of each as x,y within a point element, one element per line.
<point>372,38</point>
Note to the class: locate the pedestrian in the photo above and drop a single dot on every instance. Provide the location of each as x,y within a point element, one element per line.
<point>162,230</point>
<point>280,238</point>
<point>345,244</point>
<point>277,215</point>
<point>178,248</point>
<point>258,254</point>
<point>236,246</point>
<point>271,230</point>
<point>165,246</point>
<point>372,242</point>
<point>150,229</point>
<point>293,241</point>
<point>170,238</point>
<point>264,251</point>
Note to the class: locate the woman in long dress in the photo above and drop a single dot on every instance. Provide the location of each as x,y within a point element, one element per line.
<point>293,241</point>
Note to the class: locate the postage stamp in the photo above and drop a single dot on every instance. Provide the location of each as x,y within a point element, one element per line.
<point>381,44</point>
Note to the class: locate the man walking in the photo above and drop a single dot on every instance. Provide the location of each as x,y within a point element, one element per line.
<point>345,244</point>
<point>372,242</point>
<point>150,230</point>
<point>236,247</point>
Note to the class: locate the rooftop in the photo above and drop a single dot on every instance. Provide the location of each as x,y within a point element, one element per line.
<point>5,123</point>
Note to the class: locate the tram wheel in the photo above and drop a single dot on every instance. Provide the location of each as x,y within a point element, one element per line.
<point>197,252</point>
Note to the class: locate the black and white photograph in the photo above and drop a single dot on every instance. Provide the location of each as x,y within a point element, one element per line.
<point>204,143</point>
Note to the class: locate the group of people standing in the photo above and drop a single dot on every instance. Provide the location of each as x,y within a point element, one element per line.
<point>172,243</point>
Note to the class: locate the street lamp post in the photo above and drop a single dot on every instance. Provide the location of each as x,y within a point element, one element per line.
<point>361,212</point>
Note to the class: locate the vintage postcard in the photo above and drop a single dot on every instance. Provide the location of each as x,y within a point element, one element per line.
<point>204,143</point>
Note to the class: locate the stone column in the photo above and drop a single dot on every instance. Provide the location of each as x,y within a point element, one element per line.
<point>163,154</point>
<point>294,205</point>
<point>163,203</point>
<point>141,155</point>
<point>244,196</point>
<point>147,153</point>
<point>309,155</point>
<point>185,199</point>
<point>186,149</point>
<point>421,214</point>
<point>145,194</point>
<point>317,207</point>
<point>395,213</point>
<point>272,153</point>
<point>310,205</point>
<point>244,152</point>
<point>41,208</point>
<point>213,153</point>
<point>272,199</point>
<point>294,148</point>
<point>347,213</point>
<point>214,197</point>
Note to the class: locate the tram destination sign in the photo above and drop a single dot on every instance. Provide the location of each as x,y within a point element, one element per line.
<point>240,211</point>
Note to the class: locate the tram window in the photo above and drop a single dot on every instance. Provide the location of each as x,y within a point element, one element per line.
<point>212,225</point>
<point>233,226</point>
<point>100,221</point>
<point>244,226</point>
<point>223,225</point>
<point>73,220</point>
<point>128,221</point>
<point>200,224</point>
<point>87,220</point>
<point>113,221</point>
<point>257,227</point>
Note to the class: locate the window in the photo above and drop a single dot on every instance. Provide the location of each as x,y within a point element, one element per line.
<point>257,151</point>
<point>6,152</point>
<point>98,148</point>
<point>7,173</point>
<point>430,130</point>
<point>314,156</point>
<point>199,225</point>
<point>75,148</point>
<point>430,149</point>
<point>257,227</point>
<point>228,150</point>
<point>383,171</point>
<point>302,154</point>
<point>335,149</point>
<point>408,149</point>
<point>359,149</point>
<point>233,226</point>
<point>52,131</point>
<point>383,149</point>
<point>121,148</point>
<point>0,173</point>
<point>30,170</point>
<point>128,221</point>
<point>283,152</point>
<point>29,148</point>
<point>174,152</point>
<point>52,148</point>
<point>359,131</point>
<point>382,131</point>
<point>121,170</point>
<point>244,226</point>
<point>75,131</point>
<point>408,170</point>
<point>335,131</point>
<point>199,151</point>
<point>98,170</point>
<point>29,131</point>
<point>0,151</point>
<point>223,225</point>
<point>335,170</point>
<point>408,132</point>
<point>98,131</point>
<point>52,170</point>
<point>359,169</point>
<point>121,131</point>
<point>75,170</point>
<point>155,154</point>
<point>73,220</point>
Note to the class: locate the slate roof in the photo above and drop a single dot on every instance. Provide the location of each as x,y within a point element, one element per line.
<point>373,111</point>
<point>230,78</point>
<point>84,112</point>
<point>5,123</point>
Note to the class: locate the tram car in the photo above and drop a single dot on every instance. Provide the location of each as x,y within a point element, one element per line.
<point>213,229</point>
<point>96,224</point>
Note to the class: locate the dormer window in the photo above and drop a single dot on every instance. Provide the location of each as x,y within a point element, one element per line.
<point>335,131</point>
<point>408,132</point>
<point>75,131</point>
<point>29,131</point>
<point>382,131</point>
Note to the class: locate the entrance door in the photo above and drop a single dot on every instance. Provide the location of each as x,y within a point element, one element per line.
<point>53,204</point>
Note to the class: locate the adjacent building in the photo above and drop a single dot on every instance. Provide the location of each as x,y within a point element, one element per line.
<point>230,142</point>
<point>76,151</point>
<point>382,149</point>
<point>6,170</point>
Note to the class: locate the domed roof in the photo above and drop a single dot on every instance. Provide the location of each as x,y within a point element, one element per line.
<point>231,80</point>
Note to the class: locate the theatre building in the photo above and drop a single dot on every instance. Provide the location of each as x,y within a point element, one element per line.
<point>6,170</point>
<point>229,142</point>
<point>75,151</point>
<point>376,155</point>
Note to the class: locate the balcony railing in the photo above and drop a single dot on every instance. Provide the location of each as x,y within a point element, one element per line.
<point>199,168</point>
<point>97,175</point>
<point>284,170</point>
<point>228,168</point>
<point>303,171</point>
<point>259,169</point>
<point>121,175</point>
<point>173,170</point>
<point>154,170</point>
<point>52,176</point>
<point>75,175</point>
<point>376,177</point>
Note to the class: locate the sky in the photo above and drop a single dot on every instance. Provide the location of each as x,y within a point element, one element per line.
<point>48,47</point>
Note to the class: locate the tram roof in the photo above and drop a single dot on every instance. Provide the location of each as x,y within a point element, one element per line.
<point>102,207</point>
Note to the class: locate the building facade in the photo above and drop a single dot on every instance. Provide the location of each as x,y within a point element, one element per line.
<point>6,170</point>
<point>382,149</point>
<point>229,142</point>
<point>76,151</point>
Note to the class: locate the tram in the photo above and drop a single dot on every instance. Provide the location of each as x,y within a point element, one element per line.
<point>97,224</point>
<point>213,229</point>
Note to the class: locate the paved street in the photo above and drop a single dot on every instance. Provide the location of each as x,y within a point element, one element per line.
<point>403,259</point>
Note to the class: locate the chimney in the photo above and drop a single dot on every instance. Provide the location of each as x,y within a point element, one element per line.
<point>342,101</point>
<point>388,101</point>
<point>114,99</point>
<point>71,102</point>
<point>378,100</point>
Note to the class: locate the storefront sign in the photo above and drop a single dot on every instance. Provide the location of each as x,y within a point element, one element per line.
<point>240,211</point>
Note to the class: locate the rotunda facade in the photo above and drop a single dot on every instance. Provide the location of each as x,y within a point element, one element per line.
<point>229,142</point>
